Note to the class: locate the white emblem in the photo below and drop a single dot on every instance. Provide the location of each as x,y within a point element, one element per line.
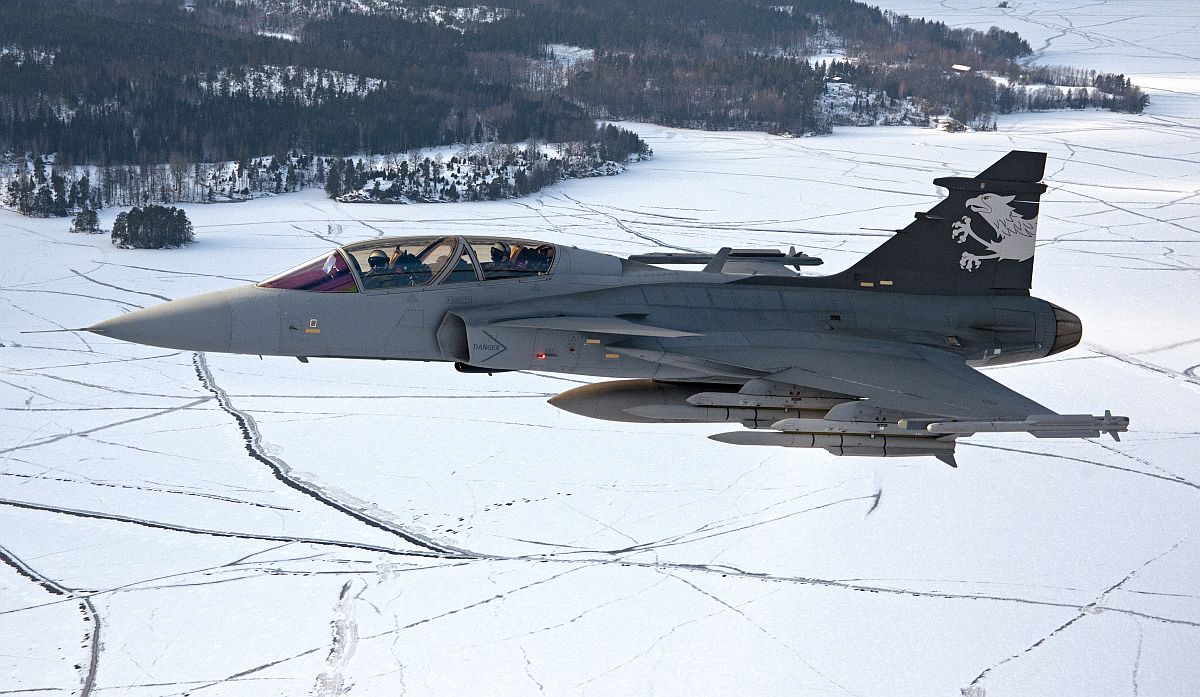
<point>1014,235</point>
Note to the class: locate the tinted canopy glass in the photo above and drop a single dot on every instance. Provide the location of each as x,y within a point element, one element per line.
<point>328,273</point>
<point>404,262</point>
<point>401,262</point>
<point>508,258</point>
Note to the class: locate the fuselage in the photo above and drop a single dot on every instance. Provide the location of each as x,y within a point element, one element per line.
<point>874,360</point>
<point>462,309</point>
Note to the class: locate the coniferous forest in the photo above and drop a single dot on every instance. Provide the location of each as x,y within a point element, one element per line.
<point>158,91</point>
<point>152,227</point>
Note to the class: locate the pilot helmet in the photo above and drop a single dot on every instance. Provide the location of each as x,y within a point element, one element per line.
<point>405,261</point>
<point>378,259</point>
<point>499,252</point>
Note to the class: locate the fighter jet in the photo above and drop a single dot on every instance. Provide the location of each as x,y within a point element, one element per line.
<point>877,360</point>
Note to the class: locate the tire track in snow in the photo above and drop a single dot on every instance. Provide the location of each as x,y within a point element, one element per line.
<point>738,611</point>
<point>625,228</point>
<point>1137,659</point>
<point>1068,458</point>
<point>726,571</point>
<point>391,632</point>
<point>49,321</point>
<point>158,525</point>
<point>331,682</point>
<point>177,272</point>
<point>90,364</point>
<point>125,305</point>
<point>76,434</point>
<point>283,472</point>
<point>1129,360</point>
<point>1094,607</point>
<point>85,607</point>
<point>116,287</point>
<point>161,490</point>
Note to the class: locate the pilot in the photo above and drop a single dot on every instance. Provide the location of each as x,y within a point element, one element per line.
<point>378,261</point>
<point>409,269</point>
<point>527,260</point>
<point>545,256</point>
<point>379,270</point>
<point>499,252</point>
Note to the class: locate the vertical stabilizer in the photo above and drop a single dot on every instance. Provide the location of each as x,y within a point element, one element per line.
<point>978,240</point>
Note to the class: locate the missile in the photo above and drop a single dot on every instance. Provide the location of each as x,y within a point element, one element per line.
<point>1040,426</point>
<point>840,444</point>
<point>761,418</point>
<point>827,425</point>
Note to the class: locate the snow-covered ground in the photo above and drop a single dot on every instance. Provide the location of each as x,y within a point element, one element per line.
<point>558,64</point>
<point>178,524</point>
<point>308,85</point>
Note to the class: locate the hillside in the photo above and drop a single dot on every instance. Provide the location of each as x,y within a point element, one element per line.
<point>148,84</point>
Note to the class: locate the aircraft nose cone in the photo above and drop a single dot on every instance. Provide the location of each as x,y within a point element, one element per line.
<point>200,323</point>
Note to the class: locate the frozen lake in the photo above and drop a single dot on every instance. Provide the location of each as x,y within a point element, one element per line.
<point>182,524</point>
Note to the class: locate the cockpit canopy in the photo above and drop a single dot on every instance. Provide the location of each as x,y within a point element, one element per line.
<point>405,262</point>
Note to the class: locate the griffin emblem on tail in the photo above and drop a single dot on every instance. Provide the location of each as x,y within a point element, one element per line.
<point>1014,235</point>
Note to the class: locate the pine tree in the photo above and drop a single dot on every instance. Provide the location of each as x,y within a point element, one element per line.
<point>58,186</point>
<point>86,221</point>
<point>180,227</point>
<point>120,231</point>
<point>333,180</point>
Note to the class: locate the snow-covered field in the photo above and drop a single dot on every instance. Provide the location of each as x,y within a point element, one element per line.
<point>175,524</point>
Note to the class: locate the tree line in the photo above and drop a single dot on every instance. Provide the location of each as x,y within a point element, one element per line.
<point>483,173</point>
<point>127,85</point>
<point>41,190</point>
<point>150,94</point>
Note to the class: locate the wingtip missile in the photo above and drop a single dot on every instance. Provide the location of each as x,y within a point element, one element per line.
<point>1038,425</point>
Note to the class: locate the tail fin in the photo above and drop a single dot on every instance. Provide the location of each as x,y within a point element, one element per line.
<point>978,240</point>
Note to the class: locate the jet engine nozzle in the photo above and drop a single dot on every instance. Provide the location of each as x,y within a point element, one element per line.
<point>1068,330</point>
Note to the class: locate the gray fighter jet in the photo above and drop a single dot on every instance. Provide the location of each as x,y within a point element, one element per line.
<point>878,360</point>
